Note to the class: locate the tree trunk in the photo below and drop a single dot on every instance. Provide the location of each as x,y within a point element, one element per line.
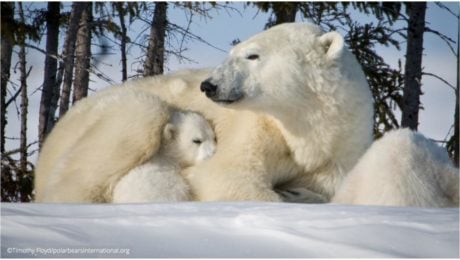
<point>285,12</point>
<point>7,41</point>
<point>83,55</point>
<point>413,66</point>
<point>66,66</point>
<point>456,127</point>
<point>156,49</point>
<point>121,15</point>
<point>24,98</point>
<point>46,119</point>
<point>456,119</point>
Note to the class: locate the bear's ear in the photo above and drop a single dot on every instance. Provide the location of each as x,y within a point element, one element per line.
<point>169,132</point>
<point>333,44</point>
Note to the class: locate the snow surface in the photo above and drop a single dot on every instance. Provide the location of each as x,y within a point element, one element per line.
<point>227,229</point>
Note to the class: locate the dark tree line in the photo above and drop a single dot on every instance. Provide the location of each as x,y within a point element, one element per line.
<point>75,33</point>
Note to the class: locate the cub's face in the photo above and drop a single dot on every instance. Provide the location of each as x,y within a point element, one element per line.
<point>190,138</point>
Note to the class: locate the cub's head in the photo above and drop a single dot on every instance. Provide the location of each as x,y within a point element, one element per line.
<point>285,65</point>
<point>189,138</point>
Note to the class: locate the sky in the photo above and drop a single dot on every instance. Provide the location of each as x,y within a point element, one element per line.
<point>224,26</point>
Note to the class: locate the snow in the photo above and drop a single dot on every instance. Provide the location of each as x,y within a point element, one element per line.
<point>227,229</point>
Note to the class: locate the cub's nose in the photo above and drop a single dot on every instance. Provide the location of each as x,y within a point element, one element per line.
<point>208,88</point>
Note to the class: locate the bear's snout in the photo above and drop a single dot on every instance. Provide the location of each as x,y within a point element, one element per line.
<point>208,88</point>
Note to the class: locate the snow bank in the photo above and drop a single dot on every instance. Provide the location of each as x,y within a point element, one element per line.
<point>227,230</point>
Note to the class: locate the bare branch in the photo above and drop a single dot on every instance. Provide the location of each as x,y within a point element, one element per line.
<point>443,6</point>
<point>13,98</point>
<point>194,36</point>
<point>58,58</point>
<point>17,150</point>
<point>96,71</point>
<point>187,30</point>
<point>443,37</point>
<point>441,79</point>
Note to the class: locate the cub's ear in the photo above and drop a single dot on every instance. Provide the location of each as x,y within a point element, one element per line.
<point>333,44</point>
<point>169,131</point>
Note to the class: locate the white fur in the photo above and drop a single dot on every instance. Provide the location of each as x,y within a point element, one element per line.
<point>97,142</point>
<point>193,138</point>
<point>403,168</point>
<point>155,181</point>
<point>301,118</point>
<point>314,90</point>
<point>160,179</point>
<point>335,42</point>
<point>297,117</point>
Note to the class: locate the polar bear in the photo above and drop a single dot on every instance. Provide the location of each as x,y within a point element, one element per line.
<point>292,109</point>
<point>313,90</point>
<point>403,168</point>
<point>319,99</point>
<point>187,140</point>
<point>98,141</point>
<point>290,106</point>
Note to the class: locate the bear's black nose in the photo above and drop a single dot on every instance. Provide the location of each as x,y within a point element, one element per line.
<point>208,88</point>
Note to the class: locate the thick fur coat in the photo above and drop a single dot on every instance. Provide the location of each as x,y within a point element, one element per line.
<point>291,110</point>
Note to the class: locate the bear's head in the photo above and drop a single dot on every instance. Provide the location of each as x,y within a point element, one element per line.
<point>288,65</point>
<point>188,138</point>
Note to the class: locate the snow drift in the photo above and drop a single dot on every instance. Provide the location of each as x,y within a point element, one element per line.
<point>193,229</point>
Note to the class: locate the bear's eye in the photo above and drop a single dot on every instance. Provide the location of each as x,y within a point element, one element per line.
<point>197,141</point>
<point>252,57</point>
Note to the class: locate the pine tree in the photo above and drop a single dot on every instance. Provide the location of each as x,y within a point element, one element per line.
<point>154,61</point>
<point>119,6</point>
<point>83,55</point>
<point>67,65</point>
<point>282,12</point>
<point>24,175</point>
<point>46,119</point>
<point>7,44</point>
<point>454,143</point>
<point>413,66</point>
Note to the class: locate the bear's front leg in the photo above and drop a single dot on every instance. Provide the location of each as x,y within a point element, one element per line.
<point>211,181</point>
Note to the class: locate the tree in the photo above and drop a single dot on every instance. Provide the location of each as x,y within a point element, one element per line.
<point>83,55</point>
<point>413,66</point>
<point>455,137</point>
<point>283,12</point>
<point>46,119</point>
<point>25,175</point>
<point>7,44</point>
<point>456,115</point>
<point>154,61</point>
<point>454,143</point>
<point>67,64</point>
<point>24,97</point>
<point>16,174</point>
<point>119,6</point>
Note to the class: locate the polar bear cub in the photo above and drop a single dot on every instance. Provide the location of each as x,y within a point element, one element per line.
<point>187,140</point>
<point>403,168</point>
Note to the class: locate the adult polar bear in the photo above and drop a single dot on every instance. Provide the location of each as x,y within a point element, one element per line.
<point>315,123</point>
<point>325,83</point>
